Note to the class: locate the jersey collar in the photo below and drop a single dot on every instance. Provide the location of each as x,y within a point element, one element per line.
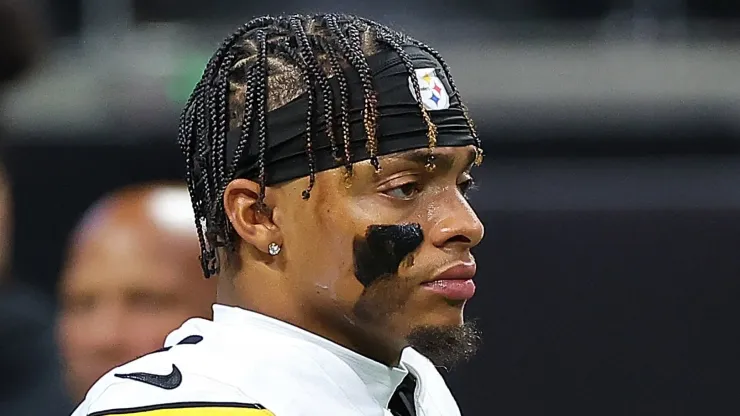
<point>381,380</point>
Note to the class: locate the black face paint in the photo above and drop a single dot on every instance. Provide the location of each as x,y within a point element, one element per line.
<point>383,250</point>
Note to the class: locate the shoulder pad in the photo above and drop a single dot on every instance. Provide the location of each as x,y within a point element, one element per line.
<point>160,391</point>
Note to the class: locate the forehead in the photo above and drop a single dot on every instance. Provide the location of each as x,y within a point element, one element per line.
<point>456,155</point>
<point>447,160</point>
<point>125,256</point>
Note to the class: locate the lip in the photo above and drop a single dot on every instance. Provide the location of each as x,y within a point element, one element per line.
<point>461,271</point>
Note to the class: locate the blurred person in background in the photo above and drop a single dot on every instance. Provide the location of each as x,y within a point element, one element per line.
<point>132,275</point>
<point>28,359</point>
<point>341,240</point>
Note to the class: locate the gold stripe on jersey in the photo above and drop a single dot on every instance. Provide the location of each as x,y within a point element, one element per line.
<point>191,409</point>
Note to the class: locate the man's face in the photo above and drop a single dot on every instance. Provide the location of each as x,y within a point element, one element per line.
<point>324,238</point>
<point>121,295</point>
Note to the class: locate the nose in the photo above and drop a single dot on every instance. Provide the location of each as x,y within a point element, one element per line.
<point>458,225</point>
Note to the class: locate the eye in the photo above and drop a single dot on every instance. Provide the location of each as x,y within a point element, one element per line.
<point>467,186</point>
<point>407,190</point>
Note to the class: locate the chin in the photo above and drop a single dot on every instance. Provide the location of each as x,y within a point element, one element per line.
<point>446,319</point>
<point>446,345</point>
<point>443,313</point>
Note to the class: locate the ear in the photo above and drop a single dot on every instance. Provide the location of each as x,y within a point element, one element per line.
<point>253,223</point>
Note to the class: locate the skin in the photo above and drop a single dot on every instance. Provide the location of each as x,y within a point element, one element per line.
<point>131,277</point>
<point>311,283</point>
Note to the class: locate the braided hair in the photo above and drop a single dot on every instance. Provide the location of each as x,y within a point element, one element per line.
<point>264,65</point>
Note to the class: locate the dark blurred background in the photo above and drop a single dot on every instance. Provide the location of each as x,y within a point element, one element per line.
<point>609,276</point>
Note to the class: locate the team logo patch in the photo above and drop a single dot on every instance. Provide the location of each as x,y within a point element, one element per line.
<point>434,95</point>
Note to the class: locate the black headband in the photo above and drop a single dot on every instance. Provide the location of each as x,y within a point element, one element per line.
<point>400,123</point>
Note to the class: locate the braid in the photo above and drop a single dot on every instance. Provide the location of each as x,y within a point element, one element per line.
<point>310,70</point>
<point>455,91</point>
<point>187,145</point>
<point>312,64</point>
<point>212,132</point>
<point>265,64</point>
<point>222,123</point>
<point>371,101</point>
<point>391,40</point>
<point>353,54</point>
<point>184,132</point>
<point>246,121</point>
<point>258,81</point>
<point>207,121</point>
<point>337,72</point>
<point>219,118</point>
<point>202,146</point>
<point>205,110</point>
<point>201,183</point>
<point>204,117</point>
<point>239,33</point>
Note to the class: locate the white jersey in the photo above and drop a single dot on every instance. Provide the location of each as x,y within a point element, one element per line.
<point>246,364</point>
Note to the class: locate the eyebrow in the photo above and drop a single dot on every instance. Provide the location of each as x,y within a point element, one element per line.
<point>443,161</point>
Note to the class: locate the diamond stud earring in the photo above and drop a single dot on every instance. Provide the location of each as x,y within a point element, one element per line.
<point>273,249</point>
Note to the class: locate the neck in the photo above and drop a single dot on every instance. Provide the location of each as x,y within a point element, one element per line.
<point>331,324</point>
<point>370,342</point>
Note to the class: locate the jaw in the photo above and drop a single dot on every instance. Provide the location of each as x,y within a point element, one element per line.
<point>428,309</point>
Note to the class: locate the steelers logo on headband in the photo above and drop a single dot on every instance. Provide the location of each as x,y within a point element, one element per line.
<point>434,95</point>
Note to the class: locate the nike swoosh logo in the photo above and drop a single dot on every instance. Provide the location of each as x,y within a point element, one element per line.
<point>168,381</point>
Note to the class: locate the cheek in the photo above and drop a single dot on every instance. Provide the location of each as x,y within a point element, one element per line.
<point>332,260</point>
<point>70,335</point>
<point>146,332</point>
<point>149,333</point>
<point>334,249</point>
<point>313,242</point>
<point>431,212</point>
<point>77,328</point>
<point>374,210</point>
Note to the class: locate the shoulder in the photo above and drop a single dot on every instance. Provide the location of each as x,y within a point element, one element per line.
<point>169,383</point>
<point>217,376</point>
